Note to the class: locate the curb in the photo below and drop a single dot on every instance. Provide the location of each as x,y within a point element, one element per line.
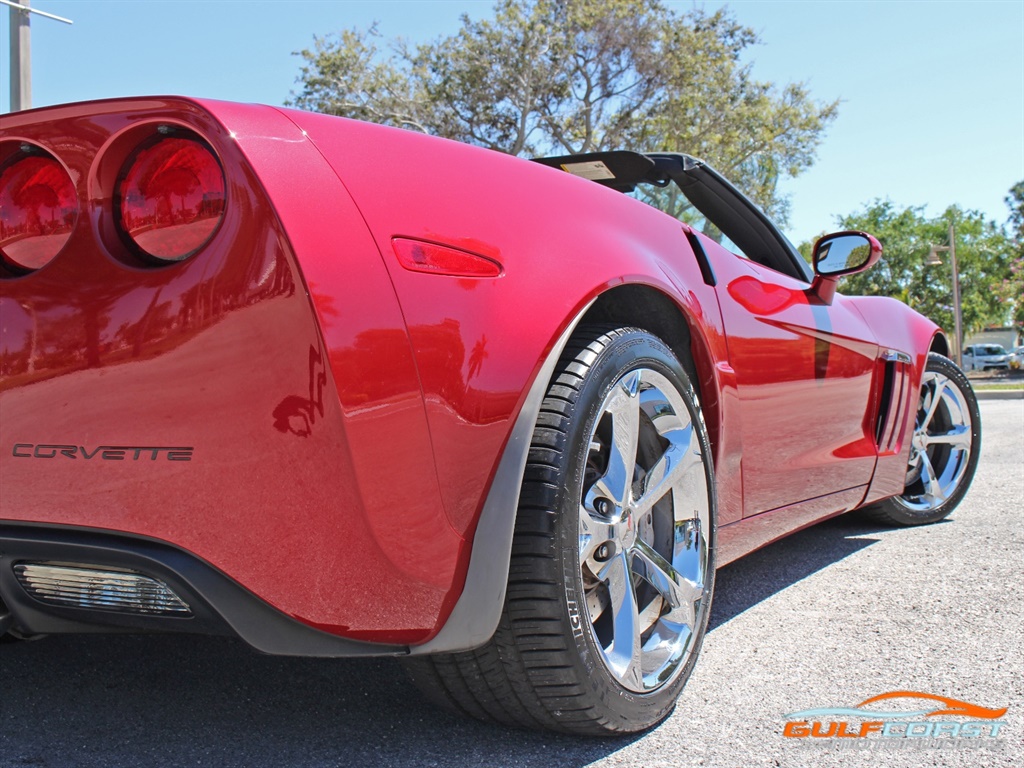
<point>999,394</point>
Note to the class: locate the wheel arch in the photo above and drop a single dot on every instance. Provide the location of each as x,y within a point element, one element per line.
<point>647,307</point>
<point>476,613</point>
<point>940,344</point>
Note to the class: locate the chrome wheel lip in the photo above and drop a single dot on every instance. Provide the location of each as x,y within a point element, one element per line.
<point>941,443</point>
<point>644,546</point>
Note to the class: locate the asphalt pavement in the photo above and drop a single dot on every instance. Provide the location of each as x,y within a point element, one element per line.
<point>829,617</point>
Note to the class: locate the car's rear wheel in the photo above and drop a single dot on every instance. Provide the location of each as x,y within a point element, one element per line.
<point>612,567</point>
<point>944,450</point>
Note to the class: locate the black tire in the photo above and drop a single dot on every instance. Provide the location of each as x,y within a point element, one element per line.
<point>949,466</point>
<point>547,665</point>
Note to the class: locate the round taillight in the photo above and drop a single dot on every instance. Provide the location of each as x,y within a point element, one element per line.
<point>38,209</point>
<point>170,199</point>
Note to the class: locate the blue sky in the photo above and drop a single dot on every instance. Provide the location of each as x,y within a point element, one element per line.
<point>933,92</point>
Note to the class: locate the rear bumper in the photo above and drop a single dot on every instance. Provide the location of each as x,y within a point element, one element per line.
<point>217,604</point>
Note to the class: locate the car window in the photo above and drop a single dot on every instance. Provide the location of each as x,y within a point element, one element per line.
<point>671,200</point>
<point>735,221</point>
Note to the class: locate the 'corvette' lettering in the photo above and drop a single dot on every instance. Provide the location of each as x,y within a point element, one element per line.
<point>102,452</point>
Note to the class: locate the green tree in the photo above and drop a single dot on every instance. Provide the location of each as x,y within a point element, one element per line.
<point>572,76</point>
<point>344,75</point>
<point>984,254</point>
<point>1013,285</point>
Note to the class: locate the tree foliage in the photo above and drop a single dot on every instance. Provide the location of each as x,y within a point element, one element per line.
<point>1013,285</point>
<point>985,258</point>
<point>572,76</point>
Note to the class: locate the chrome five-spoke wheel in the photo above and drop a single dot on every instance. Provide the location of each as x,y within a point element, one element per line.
<point>643,517</point>
<point>941,445</point>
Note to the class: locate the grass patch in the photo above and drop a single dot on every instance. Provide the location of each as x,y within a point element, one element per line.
<point>1010,385</point>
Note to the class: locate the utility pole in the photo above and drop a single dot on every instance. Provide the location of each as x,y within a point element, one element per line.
<point>957,308</point>
<point>21,58</point>
<point>21,51</point>
<point>933,260</point>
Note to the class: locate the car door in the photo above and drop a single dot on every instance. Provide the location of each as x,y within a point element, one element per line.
<point>804,374</point>
<point>803,366</point>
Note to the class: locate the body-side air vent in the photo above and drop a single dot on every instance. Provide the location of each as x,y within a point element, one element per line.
<point>892,406</point>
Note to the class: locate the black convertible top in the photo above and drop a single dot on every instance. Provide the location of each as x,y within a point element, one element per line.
<point>710,193</point>
<point>621,170</point>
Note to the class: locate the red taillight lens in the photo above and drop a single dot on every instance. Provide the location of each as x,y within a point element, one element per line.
<point>171,198</point>
<point>38,209</point>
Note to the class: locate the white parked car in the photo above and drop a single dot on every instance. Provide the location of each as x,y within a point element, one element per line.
<point>981,357</point>
<point>1017,356</point>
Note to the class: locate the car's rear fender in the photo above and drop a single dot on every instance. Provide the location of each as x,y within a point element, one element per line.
<point>561,242</point>
<point>569,252</point>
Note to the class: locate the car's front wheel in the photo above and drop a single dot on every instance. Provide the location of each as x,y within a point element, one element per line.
<point>612,566</point>
<point>944,450</point>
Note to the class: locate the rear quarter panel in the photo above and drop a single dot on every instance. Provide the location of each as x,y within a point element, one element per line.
<point>562,241</point>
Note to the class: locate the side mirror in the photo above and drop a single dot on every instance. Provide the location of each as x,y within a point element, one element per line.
<point>838,254</point>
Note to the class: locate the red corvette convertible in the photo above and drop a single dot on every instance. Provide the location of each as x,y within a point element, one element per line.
<point>341,390</point>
